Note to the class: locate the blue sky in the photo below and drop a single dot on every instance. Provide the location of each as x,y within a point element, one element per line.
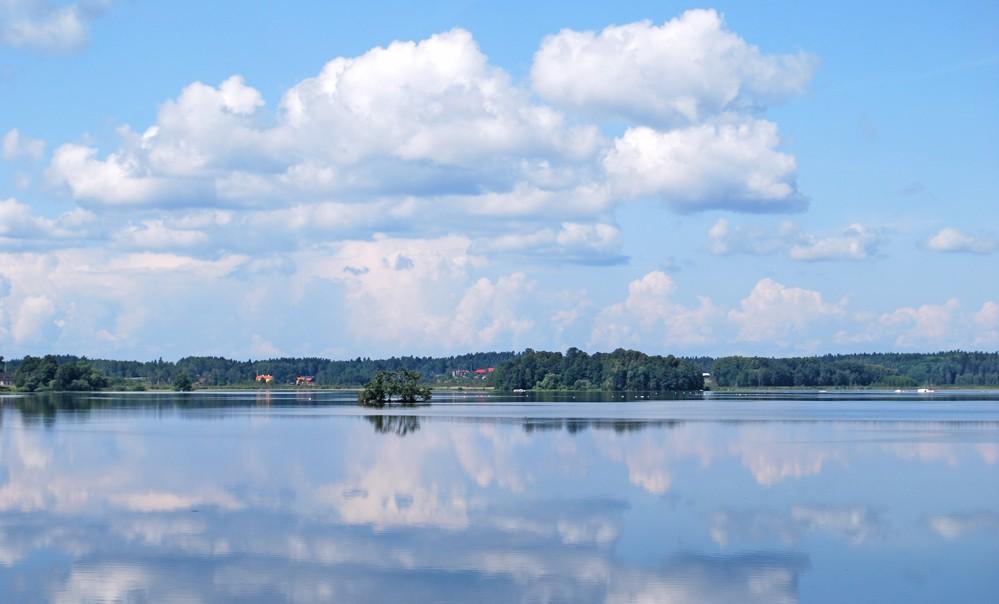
<point>386,178</point>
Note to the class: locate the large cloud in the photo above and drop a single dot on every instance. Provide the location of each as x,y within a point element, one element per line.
<point>98,300</point>
<point>434,120</point>
<point>421,172</point>
<point>417,170</point>
<point>947,325</point>
<point>413,291</point>
<point>685,70</point>
<point>413,118</point>
<point>926,324</point>
<point>728,164</point>
<point>650,309</point>
<point>777,313</point>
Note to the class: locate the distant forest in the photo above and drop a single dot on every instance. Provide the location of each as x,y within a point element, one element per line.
<point>32,373</point>
<point>621,370</point>
<point>891,370</point>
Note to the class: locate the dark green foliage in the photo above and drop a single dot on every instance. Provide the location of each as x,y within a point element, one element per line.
<point>621,370</point>
<point>889,370</point>
<point>403,386</point>
<point>47,373</point>
<point>217,371</point>
<point>182,383</point>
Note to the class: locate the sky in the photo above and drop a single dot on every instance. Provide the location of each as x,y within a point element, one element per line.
<point>367,179</point>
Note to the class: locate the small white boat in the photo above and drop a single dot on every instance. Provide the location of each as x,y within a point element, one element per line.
<point>925,390</point>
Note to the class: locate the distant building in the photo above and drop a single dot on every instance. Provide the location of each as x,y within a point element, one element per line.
<point>705,375</point>
<point>303,380</point>
<point>265,378</point>
<point>473,373</point>
<point>6,380</point>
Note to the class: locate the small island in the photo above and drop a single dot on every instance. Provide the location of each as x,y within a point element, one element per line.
<point>401,386</point>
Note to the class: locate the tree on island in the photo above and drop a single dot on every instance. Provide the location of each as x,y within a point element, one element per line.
<point>402,386</point>
<point>182,383</point>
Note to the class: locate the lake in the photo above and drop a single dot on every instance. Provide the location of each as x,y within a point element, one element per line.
<point>304,497</point>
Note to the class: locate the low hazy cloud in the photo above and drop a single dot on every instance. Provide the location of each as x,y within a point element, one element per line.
<point>953,240</point>
<point>18,146</point>
<point>855,242</point>
<point>47,25</point>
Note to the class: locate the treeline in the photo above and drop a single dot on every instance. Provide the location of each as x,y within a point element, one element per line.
<point>621,370</point>
<point>206,372</point>
<point>890,370</point>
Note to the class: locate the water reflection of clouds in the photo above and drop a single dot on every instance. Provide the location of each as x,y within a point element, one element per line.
<point>954,526</point>
<point>772,455</point>
<point>946,452</point>
<point>334,511</point>
<point>715,579</point>
<point>856,524</point>
<point>260,556</point>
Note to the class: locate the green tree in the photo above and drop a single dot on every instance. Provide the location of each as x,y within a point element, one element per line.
<point>408,387</point>
<point>376,392</point>
<point>182,383</point>
<point>35,373</point>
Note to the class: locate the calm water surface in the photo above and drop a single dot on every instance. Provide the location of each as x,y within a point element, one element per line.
<point>270,497</point>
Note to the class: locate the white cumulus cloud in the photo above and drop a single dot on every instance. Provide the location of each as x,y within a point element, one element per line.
<point>731,164</point>
<point>687,69</point>
<point>412,117</point>
<point>33,320</point>
<point>781,314</point>
<point>649,311</point>
<point>925,324</point>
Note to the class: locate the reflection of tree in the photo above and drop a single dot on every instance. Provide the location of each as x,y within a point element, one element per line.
<point>401,425</point>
